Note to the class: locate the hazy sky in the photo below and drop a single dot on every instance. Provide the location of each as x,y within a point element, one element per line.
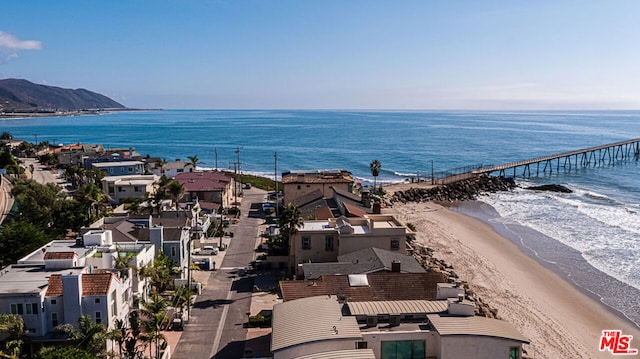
<point>330,54</point>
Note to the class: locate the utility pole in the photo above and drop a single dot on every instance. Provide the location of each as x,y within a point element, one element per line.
<point>215,150</point>
<point>275,178</point>
<point>235,184</point>
<point>239,176</point>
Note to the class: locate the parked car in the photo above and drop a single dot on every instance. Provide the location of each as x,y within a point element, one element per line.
<point>206,251</point>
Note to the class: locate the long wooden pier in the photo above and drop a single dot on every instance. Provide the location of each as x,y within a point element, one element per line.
<point>592,156</point>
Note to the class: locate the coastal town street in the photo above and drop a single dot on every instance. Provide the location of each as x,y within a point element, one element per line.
<point>217,327</point>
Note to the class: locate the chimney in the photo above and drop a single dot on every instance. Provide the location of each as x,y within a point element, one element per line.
<point>376,208</point>
<point>395,266</point>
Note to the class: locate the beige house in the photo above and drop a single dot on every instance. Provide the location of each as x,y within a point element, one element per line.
<point>324,241</point>
<point>299,183</point>
<point>135,186</point>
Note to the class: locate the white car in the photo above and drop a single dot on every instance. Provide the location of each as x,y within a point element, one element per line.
<point>206,251</point>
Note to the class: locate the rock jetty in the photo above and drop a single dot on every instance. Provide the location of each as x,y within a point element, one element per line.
<point>464,190</point>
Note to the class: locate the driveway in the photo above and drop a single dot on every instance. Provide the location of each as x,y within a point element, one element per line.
<point>218,317</point>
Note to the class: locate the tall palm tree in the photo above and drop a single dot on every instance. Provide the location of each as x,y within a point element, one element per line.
<point>375,167</point>
<point>194,161</point>
<point>154,313</point>
<point>290,221</point>
<point>118,334</point>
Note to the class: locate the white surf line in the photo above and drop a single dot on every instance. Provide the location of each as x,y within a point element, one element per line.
<point>223,319</point>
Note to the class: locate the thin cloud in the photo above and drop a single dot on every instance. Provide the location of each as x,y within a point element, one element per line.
<point>11,45</point>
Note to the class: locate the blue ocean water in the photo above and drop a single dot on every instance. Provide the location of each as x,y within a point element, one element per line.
<point>598,224</point>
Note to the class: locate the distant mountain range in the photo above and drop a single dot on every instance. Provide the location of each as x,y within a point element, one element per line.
<point>17,95</point>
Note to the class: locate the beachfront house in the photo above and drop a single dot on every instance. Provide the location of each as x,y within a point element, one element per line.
<point>296,184</point>
<point>364,261</point>
<point>434,329</point>
<point>171,169</point>
<point>324,241</point>
<point>74,154</point>
<point>119,168</point>
<point>341,203</point>
<point>210,188</point>
<point>119,188</point>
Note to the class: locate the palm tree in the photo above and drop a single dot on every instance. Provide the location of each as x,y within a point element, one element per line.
<point>119,334</point>
<point>290,221</point>
<point>154,313</point>
<point>375,167</point>
<point>161,164</point>
<point>176,191</point>
<point>89,336</point>
<point>194,161</point>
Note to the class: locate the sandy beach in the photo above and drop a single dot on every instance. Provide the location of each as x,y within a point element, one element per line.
<point>560,320</point>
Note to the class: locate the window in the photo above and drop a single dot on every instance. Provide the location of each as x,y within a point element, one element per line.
<point>17,309</point>
<point>361,345</point>
<point>96,300</point>
<point>514,353</point>
<point>328,243</point>
<point>53,301</point>
<point>180,170</point>
<point>298,186</point>
<point>136,189</point>
<point>395,244</point>
<point>98,317</point>
<point>130,169</point>
<point>54,320</point>
<point>306,243</point>
<point>396,349</point>
<point>120,189</point>
<point>31,308</point>
<point>173,251</point>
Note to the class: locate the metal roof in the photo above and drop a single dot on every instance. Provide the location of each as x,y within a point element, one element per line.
<point>309,320</point>
<point>343,354</point>
<point>397,307</point>
<point>476,326</point>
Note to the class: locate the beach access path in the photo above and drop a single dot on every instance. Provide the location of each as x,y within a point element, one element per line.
<point>559,319</point>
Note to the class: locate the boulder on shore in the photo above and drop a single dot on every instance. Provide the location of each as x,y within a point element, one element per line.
<point>551,188</point>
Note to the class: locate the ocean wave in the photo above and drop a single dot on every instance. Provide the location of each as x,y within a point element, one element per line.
<point>606,235</point>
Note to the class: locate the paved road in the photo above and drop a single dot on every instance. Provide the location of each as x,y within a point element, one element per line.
<point>40,173</point>
<point>218,317</point>
<point>6,200</point>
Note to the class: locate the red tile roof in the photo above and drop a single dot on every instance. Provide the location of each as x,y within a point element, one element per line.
<point>382,286</point>
<point>96,283</point>
<point>92,284</point>
<point>208,175</point>
<point>54,287</point>
<point>354,211</point>
<point>60,255</point>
